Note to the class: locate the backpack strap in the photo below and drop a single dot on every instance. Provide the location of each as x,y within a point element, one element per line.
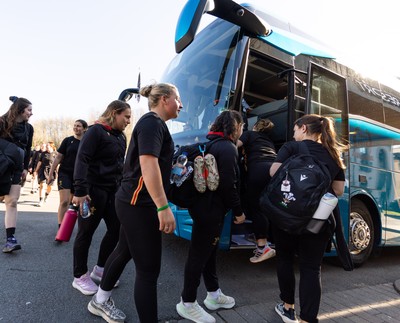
<point>202,149</point>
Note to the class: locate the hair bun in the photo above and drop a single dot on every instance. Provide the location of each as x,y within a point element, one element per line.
<point>13,99</point>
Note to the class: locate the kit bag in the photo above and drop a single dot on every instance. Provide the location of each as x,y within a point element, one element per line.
<point>9,155</point>
<point>294,192</point>
<point>186,194</point>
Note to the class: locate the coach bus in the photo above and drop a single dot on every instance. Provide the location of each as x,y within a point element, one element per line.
<point>247,55</point>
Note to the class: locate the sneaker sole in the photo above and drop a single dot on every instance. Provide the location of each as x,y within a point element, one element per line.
<point>17,247</point>
<point>198,176</point>
<point>284,318</point>
<point>84,292</point>
<point>263,257</point>
<point>213,175</point>
<point>213,307</point>
<point>184,315</point>
<point>97,312</point>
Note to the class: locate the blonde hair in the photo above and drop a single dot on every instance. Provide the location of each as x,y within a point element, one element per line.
<point>154,92</point>
<point>115,107</point>
<point>263,125</point>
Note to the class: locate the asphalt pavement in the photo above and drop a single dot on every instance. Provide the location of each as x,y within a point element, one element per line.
<point>34,291</point>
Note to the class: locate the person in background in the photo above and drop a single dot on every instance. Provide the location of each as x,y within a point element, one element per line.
<point>259,153</point>
<point>43,172</point>
<point>142,207</point>
<point>97,176</point>
<point>65,157</point>
<point>318,133</point>
<point>208,215</point>
<point>14,127</point>
<point>32,166</point>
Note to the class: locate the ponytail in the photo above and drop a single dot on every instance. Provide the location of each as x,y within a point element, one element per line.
<point>324,126</point>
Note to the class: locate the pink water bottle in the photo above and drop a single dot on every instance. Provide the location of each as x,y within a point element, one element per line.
<point>68,223</point>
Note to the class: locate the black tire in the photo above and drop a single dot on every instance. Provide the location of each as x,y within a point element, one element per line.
<point>361,233</point>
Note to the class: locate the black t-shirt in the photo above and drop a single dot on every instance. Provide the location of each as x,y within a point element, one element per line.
<point>69,149</point>
<point>46,159</point>
<point>318,151</point>
<point>150,137</point>
<point>258,147</point>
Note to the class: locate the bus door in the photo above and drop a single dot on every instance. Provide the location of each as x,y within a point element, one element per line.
<point>327,96</point>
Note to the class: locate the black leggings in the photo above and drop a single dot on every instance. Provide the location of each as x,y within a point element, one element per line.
<point>202,258</point>
<point>310,249</point>
<point>103,207</point>
<point>140,240</point>
<point>256,179</point>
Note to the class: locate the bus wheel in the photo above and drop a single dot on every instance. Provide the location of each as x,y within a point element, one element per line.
<point>361,233</point>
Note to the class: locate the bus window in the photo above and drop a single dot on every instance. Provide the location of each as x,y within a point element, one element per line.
<point>327,96</point>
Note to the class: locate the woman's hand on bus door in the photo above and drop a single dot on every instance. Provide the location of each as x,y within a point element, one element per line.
<point>239,219</point>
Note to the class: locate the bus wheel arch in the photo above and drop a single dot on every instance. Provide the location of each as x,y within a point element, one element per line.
<point>363,229</point>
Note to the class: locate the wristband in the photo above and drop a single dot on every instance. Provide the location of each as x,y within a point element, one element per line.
<point>161,208</point>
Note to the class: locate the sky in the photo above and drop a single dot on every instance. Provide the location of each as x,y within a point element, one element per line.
<point>72,58</point>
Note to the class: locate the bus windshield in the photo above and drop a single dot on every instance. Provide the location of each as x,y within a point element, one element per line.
<point>203,76</point>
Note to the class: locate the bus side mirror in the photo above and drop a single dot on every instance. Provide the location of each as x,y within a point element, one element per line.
<point>228,10</point>
<point>189,21</point>
<point>241,16</point>
<point>127,94</point>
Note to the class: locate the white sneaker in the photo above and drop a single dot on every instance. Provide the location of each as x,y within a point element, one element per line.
<point>97,275</point>
<point>261,255</point>
<point>106,310</point>
<point>85,285</point>
<point>194,312</point>
<point>222,301</point>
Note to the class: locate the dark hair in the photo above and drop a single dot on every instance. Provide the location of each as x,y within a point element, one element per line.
<point>324,127</point>
<point>227,122</point>
<point>116,106</point>
<point>9,119</point>
<point>154,92</point>
<point>13,98</point>
<point>83,123</point>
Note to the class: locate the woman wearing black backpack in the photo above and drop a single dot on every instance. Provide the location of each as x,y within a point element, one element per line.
<point>14,128</point>
<point>319,135</point>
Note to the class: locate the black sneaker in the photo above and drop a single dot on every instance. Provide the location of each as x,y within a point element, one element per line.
<point>287,316</point>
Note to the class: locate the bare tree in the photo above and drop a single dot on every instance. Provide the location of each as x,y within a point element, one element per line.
<point>56,129</point>
<point>52,129</point>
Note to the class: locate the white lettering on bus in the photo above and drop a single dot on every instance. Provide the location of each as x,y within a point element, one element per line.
<point>386,97</point>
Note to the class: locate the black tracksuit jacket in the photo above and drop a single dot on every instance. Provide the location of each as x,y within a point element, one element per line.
<point>99,160</point>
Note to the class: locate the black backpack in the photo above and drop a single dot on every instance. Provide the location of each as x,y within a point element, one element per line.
<point>294,192</point>
<point>9,157</point>
<point>185,195</point>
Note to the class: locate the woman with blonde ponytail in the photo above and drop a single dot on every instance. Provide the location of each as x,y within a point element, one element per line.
<point>318,133</point>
